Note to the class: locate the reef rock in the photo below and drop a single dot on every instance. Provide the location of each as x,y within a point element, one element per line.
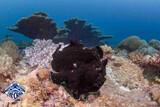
<point>132,43</point>
<point>74,64</point>
<point>37,26</point>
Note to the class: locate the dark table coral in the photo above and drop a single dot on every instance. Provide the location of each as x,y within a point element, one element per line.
<point>80,30</point>
<point>79,69</point>
<point>37,26</point>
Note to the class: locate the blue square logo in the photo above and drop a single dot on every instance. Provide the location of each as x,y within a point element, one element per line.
<point>14,90</point>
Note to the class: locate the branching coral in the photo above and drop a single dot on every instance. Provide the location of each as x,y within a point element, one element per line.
<point>40,53</point>
<point>74,64</point>
<point>37,26</point>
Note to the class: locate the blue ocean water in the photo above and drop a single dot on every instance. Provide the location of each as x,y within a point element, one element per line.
<point>120,18</point>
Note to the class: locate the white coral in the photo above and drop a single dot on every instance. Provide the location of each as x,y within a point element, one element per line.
<point>40,53</point>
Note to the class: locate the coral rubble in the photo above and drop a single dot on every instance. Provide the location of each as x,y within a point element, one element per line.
<point>37,26</point>
<point>74,64</point>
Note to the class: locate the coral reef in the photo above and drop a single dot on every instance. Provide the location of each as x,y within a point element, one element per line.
<point>56,75</point>
<point>74,64</point>
<point>79,30</point>
<point>42,92</point>
<point>132,43</point>
<point>135,48</point>
<point>40,53</point>
<point>37,26</point>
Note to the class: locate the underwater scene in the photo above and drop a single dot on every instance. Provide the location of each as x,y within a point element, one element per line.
<point>79,53</point>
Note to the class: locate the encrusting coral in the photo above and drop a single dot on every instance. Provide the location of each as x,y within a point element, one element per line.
<point>74,64</point>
